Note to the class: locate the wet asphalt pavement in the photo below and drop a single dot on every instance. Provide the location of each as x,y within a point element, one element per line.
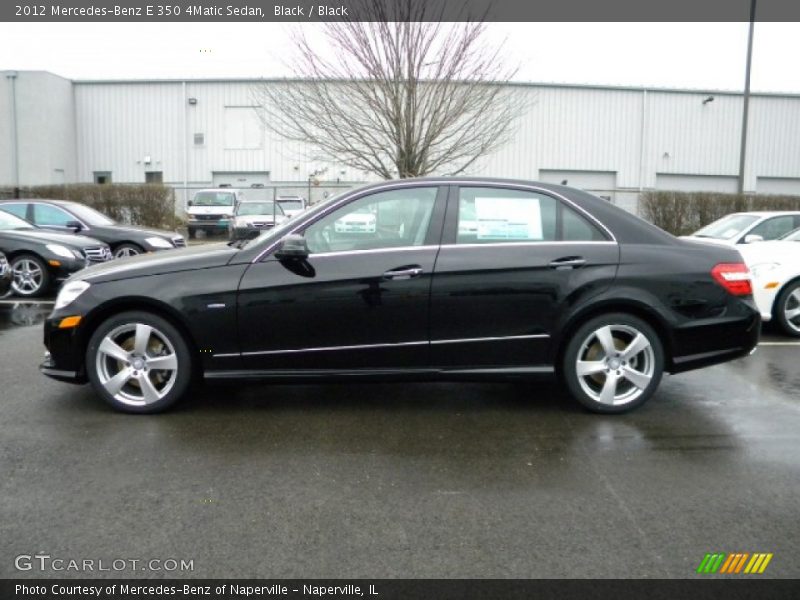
<point>423,480</point>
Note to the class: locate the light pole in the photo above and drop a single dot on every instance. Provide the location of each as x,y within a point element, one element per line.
<point>746,107</point>
<point>12,80</point>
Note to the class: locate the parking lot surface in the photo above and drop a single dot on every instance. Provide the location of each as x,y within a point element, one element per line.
<point>402,480</point>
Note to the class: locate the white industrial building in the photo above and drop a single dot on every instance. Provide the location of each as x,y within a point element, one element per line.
<point>615,141</point>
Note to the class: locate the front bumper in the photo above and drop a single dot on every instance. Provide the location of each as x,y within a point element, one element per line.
<point>63,359</point>
<point>209,224</point>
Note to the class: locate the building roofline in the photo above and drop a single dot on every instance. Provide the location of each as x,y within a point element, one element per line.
<point>522,84</point>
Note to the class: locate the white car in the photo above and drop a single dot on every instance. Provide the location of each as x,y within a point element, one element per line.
<point>748,227</point>
<point>291,205</point>
<point>253,217</point>
<point>360,221</point>
<point>775,269</point>
<point>212,210</point>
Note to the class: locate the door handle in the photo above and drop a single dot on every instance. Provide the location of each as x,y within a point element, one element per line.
<point>568,262</point>
<point>403,273</point>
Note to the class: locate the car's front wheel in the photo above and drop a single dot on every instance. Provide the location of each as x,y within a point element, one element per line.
<point>127,249</point>
<point>138,362</point>
<point>787,309</point>
<point>613,363</point>
<point>30,277</point>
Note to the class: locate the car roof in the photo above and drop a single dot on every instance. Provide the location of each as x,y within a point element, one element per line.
<point>767,213</point>
<point>49,200</point>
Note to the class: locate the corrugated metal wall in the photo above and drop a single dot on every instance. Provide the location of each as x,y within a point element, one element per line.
<point>635,134</point>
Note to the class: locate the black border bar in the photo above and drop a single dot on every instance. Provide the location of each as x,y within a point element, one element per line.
<point>444,10</point>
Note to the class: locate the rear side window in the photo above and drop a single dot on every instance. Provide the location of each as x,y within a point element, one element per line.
<point>496,215</point>
<point>16,208</point>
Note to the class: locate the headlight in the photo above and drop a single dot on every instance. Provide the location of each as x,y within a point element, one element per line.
<point>157,242</point>
<point>70,292</point>
<point>60,250</point>
<point>762,269</point>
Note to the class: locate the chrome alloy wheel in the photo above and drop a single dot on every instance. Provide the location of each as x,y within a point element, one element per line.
<point>615,364</point>
<point>791,310</point>
<point>137,364</point>
<point>28,277</point>
<point>126,251</point>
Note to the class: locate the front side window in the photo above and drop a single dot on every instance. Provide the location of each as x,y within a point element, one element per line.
<point>391,219</point>
<point>496,215</point>
<point>773,228</point>
<point>47,214</point>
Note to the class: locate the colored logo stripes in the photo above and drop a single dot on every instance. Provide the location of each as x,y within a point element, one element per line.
<point>735,563</point>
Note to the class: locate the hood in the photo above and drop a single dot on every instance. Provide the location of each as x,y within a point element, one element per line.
<point>268,217</point>
<point>210,210</point>
<point>48,237</point>
<point>141,231</point>
<point>159,263</point>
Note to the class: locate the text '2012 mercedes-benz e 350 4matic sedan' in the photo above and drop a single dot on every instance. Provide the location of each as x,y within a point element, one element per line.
<point>453,279</point>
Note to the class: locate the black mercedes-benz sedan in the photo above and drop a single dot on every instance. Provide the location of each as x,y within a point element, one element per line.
<point>40,259</point>
<point>73,217</point>
<point>447,278</point>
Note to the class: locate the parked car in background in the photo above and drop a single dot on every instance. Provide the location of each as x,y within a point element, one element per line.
<point>292,205</point>
<point>212,211</point>
<point>40,259</point>
<point>775,266</point>
<point>552,280</point>
<point>254,216</point>
<point>749,227</point>
<point>5,276</point>
<point>73,217</point>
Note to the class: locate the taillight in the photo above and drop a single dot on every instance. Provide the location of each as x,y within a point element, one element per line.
<point>734,277</point>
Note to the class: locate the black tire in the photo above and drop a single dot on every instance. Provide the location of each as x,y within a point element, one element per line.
<point>128,249</point>
<point>788,299</point>
<point>645,366</point>
<point>23,287</point>
<point>191,232</point>
<point>102,368</point>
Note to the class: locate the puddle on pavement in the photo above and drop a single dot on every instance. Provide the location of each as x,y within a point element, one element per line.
<point>22,314</point>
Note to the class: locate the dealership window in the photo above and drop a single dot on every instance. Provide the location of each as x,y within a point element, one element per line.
<point>102,177</point>
<point>496,215</point>
<point>154,177</point>
<point>243,130</point>
<point>392,219</point>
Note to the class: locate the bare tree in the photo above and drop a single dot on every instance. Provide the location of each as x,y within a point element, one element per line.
<point>395,92</point>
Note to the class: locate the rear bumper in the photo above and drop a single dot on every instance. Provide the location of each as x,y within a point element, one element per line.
<point>703,343</point>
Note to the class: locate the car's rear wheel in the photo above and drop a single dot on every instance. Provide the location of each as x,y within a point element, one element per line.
<point>613,363</point>
<point>787,309</point>
<point>138,362</point>
<point>30,277</point>
<point>127,249</point>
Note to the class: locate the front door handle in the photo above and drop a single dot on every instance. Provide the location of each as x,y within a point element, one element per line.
<point>403,273</point>
<point>568,262</point>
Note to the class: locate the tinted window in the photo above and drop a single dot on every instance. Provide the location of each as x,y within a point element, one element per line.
<point>490,215</point>
<point>390,219</point>
<point>774,227</point>
<point>18,209</point>
<point>47,214</point>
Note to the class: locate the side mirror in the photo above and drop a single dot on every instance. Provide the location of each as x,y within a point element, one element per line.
<point>75,225</point>
<point>752,238</point>
<point>293,246</point>
<point>190,203</point>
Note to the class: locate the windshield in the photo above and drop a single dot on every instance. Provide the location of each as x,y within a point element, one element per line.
<point>9,222</point>
<point>259,208</point>
<point>792,236</point>
<point>213,199</point>
<point>291,204</point>
<point>727,228</point>
<point>89,215</point>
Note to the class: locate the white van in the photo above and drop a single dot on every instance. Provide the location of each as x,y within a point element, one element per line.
<point>212,210</point>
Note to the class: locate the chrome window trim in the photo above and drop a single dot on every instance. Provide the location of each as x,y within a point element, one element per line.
<point>388,345</point>
<point>373,251</point>
<point>512,244</point>
<point>438,183</point>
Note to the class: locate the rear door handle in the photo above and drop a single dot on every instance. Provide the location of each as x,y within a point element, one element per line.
<point>403,273</point>
<point>568,262</point>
